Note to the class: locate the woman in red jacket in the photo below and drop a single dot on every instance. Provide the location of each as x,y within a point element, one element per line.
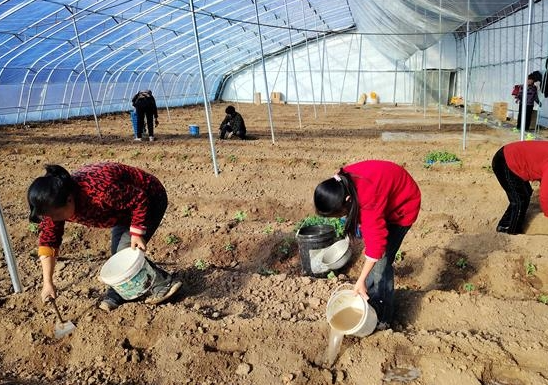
<point>107,195</point>
<point>382,201</point>
<point>514,165</point>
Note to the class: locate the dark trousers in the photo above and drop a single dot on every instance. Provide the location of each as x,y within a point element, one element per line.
<point>141,115</point>
<point>121,238</point>
<point>226,128</point>
<point>518,192</point>
<point>380,281</point>
<point>528,115</point>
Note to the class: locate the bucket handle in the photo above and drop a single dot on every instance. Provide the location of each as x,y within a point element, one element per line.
<point>338,288</point>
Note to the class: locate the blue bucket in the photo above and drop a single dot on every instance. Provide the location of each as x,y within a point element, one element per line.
<point>194,131</point>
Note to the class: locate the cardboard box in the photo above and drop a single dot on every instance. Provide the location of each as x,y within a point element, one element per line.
<point>500,111</point>
<point>276,97</point>
<point>362,100</point>
<point>474,108</point>
<point>257,98</point>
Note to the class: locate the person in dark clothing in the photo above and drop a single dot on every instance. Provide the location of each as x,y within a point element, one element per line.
<point>532,98</point>
<point>145,106</point>
<point>233,124</point>
<point>514,165</point>
<point>126,199</point>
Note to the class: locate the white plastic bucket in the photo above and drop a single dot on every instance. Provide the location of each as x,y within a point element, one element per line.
<point>344,300</point>
<point>128,273</point>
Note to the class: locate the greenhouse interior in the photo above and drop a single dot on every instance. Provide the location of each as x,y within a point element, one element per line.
<point>285,192</point>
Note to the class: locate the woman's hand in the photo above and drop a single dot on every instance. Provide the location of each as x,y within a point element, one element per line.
<point>138,242</point>
<point>48,291</point>
<point>360,288</point>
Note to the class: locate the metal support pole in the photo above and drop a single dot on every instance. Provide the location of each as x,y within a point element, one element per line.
<point>204,91</point>
<point>395,83</point>
<point>360,68</point>
<point>293,65</point>
<point>526,73</point>
<point>6,246</point>
<point>439,73</point>
<point>322,93</point>
<point>264,72</point>
<point>85,71</point>
<point>466,69</point>
<point>346,67</point>
<point>160,74</point>
<point>424,82</point>
<point>309,66</point>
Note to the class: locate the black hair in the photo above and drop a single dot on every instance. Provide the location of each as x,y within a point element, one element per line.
<point>330,200</point>
<point>230,110</point>
<point>49,191</point>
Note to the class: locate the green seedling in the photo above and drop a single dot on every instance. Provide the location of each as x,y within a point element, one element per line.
<point>530,269</point>
<point>34,228</point>
<point>110,153</point>
<point>399,256</point>
<point>240,216</point>
<point>489,168</point>
<point>135,154</point>
<point>230,247</point>
<point>268,229</point>
<point>186,211</point>
<point>440,157</point>
<point>469,287</point>
<point>200,264</point>
<point>172,239</point>
<point>543,298</point>
<point>159,157</point>
<point>318,220</point>
<point>331,275</point>
<point>267,272</point>
<point>462,263</point>
<point>280,219</point>
<point>232,158</point>
<point>285,247</point>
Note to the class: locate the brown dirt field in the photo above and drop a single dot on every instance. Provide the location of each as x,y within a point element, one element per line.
<point>232,323</point>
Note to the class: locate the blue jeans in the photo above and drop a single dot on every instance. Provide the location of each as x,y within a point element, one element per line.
<point>380,281</point>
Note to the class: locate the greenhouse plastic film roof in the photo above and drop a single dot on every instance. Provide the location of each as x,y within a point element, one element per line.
<point>62,59</point>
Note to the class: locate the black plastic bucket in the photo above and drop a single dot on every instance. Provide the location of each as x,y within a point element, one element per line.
<point>313,237</point>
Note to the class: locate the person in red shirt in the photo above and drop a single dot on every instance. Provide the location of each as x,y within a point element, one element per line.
<point>126,199</point>
<point>381,201</point>
<point>515,165</point>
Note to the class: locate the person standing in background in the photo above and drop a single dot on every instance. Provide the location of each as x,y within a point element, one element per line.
<point>532,98</point>
<point>145,106</point>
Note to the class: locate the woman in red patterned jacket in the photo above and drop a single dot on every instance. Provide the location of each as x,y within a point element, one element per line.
<point>381,201</point>
<point>107,195</point>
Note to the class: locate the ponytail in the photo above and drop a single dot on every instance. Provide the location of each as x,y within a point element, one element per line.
<point>330,200</point>
<point>49,191</point>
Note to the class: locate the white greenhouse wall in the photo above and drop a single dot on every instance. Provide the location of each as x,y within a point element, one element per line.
<point>336,74</point>
<point>497,57</point>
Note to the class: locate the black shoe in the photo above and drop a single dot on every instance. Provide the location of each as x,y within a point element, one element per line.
<point>111,300</point>
<point>163,291</point>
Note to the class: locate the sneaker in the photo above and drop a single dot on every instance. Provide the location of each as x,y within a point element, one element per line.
<point>138,139</point>
<point>162,292</point>
<point>151,138</point>
<point>111,300</point>
<point>230,135</point>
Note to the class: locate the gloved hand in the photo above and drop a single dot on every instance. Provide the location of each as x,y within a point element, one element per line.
<point>156,122</point>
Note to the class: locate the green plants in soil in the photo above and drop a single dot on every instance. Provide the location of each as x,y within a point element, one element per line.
<point>267,271</point>
<point>331,275</point>
<point>240,216</point>
<point>530,269</point>
<point>268,229</point>
<point>230,247</point>
<point>280,219</point>
<point>34,228</point>
<point>440,157</point>
<point>315,220</point>
<point>469,287</point>
<point>172,239</point>
<point>461,263</point>
<point>543,298</point>
<point>399,256</point>
<point>200,264</point>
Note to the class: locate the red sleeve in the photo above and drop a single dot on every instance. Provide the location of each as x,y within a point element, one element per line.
<point>51,233</point>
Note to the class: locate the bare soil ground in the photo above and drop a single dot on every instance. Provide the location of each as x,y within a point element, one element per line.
<point>249,317</point>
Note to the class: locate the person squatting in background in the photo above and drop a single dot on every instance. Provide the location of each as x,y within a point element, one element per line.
<point>532,98</point>
<point>126,199</point>
<point>145,106</point>
<point>232,124</point>
<point>514,165</point>
<point>381,199</point>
